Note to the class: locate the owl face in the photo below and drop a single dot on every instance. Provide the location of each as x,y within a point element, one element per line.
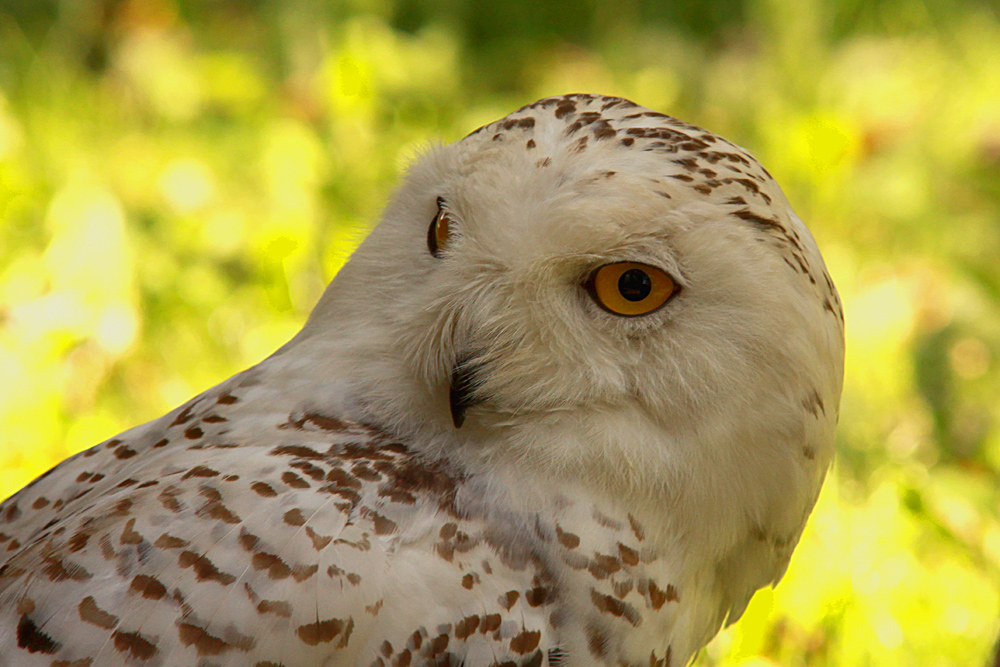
<point>631,265</point>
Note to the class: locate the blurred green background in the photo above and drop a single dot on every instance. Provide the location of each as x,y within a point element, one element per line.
<point>180,178</point>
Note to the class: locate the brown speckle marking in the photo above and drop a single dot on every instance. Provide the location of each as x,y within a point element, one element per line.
<point>466,627</point>
<point>814,404</point>
<point>637,529</point>
<point>293,480</point>
<point>525,123</point>
<point>538,595</point>
<point>200,471</point>
<point>508,599</point>
<point>325,631</point>
<point>362,471</point>
<point>91,613</point>
<point>658,597</point>
<point>213,507</point>
<point>129,534</point>
<point>622,588</point>
<point>605,520</point>
<point>601,566</point>
<point>326,423</point>
<point>122,507</point>
<point>208,644</point>
<point>262,489</point>
<point>597,641</point>
<point>490,623</point>
<point>137,646</point>
<point>79,540</point>
<point>10,515</point>
<point>276,607</point>
<point>525,642</point>
<point>57,569</point>
<point>124,452</point>
<point>298,451</point>
<point>662,662</point>
<point>565,107</point>
<point>148,587</point>
<point>628,555</point>
<point>759,221</point>
<point>31,637</point>
<point>167,541</point>
<point>567,539</point>
<point>383,526</point>
<point>204,569</point>
<point>439,644</point>
<point>314,472</point>
<point>341,477</point>
<point>294,517</point>
<point>276,567</point>
<point>319,541</point>
<point>609,605</point>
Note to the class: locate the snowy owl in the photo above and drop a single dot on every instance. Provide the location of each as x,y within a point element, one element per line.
<point>569,404</point>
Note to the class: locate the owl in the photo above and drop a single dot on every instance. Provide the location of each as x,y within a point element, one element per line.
<point>569,404</point>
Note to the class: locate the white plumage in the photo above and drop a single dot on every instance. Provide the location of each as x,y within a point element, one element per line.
<point>569,404</point>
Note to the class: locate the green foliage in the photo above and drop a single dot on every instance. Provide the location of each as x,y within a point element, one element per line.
<point>179,179</point>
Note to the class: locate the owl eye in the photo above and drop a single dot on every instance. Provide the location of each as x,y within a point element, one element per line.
<point>630,289</point>
<point>439,233</point>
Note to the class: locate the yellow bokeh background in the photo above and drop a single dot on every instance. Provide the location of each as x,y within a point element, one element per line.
<point>179,180</point>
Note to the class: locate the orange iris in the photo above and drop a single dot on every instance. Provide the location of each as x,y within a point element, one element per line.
<point>630,289</point>
<point>439,234</point>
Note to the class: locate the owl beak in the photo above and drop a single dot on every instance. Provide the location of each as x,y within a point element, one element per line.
<point>463,382</point>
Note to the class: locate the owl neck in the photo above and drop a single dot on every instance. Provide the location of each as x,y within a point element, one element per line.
<point>634,578</point>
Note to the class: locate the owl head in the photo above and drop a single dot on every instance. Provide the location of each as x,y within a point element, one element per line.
<point>589,285</point>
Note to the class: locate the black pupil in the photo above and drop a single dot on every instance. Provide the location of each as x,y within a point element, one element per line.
<point>635,285</point>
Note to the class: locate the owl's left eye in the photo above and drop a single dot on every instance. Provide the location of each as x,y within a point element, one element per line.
<point>630,289</point>
<point>439,233</point>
